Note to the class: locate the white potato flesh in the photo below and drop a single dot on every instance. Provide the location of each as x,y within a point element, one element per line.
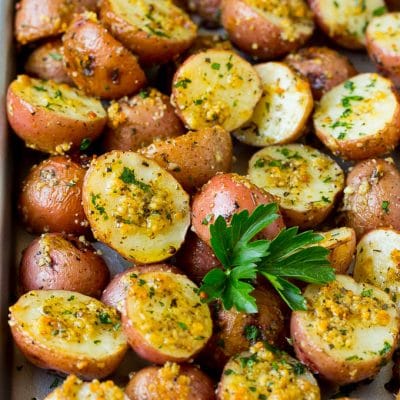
<point>378,261</point>
<point>336,237</point>
<point>363,106</point>
<point>75,389</point>
<point>384,31</point>
<point>216,87</point>
<point>266,373</point>
<point>283,110</point>
<point>166,310</point>
<point>68,323</point>
<point>300,177</point>
<point>135,206</point>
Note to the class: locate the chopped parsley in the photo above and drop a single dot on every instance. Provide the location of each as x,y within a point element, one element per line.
<point>183,83</point>
<point>379,11</point>
<point>216,66</point>
<point>385,206</point>
<point>56,56</point>
<point>86,142</point>
<point>128,177</point>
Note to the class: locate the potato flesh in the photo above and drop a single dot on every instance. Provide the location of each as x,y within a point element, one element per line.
<point>216,87</point>
<point>301,178</point>
<point>336,237</point>
<point>69,322</point>
<point>167,311</point>
<point>283,109</point>
<point>385,32</point>
<point>362,106</point>
<point>135,206</point>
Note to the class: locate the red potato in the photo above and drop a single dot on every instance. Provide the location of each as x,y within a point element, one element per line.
<point>209,11</point>
<point>56,261</point>
<point>51,197</point>
<point>227,194</point>
<point>393,5</point>
<point>171,381</point>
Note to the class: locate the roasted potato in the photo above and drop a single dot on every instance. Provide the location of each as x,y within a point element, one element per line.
<point>267,29</point>
<point>165,319</point>
<point>349,331</point>
<point>304,181</point>
<point>46,62</point>
<point>171,381</point>
<point>74,388</point>
<point>264,372</point>
<point>195,157</point>
<point>225,195</point>
<point>51,197</point>
<point>359,118</point>
<point>324,68</point>
<point>345,22</point>
<point>372,196</point>
<point>209,11</point>
<point>283,110</point>
<point>52,117</point>
<point>68,332</point>
<point>56,261</point>
<point>138,121</point>
<point>215,87</point>
<point>135,206</point>
<point>102,66</point>
<point>383,45</point>
<point>156,30</point>
<point>393,5</point>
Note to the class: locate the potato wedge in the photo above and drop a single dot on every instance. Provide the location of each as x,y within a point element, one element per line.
<point>349,331</point>
<point>156,30</point>
<point>345,22</point>
<point>68,332</point>
<point>194,158</point>
<point>102,66</point>
<point>135,206</point>
<point>165,319</point>
<point>304,181</point>
<point>378,260</point>
<point>51,117</point>
<point>359,118</point>
<point>283,110</point>
<point>265,372</point>
<point>215,87</point>
<point>267,29</point>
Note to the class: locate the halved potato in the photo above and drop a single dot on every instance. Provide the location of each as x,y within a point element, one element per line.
<point>215,87</point>
<point>195,157</point>
<point>267,29</point>
<point>359,118</point>
<point>74,388</point>
<point>345,22</point>
<point>304,181</point>
<point>52,117</point>
<point>156,30</point>
<point>283,110</point>
<point>135,206</point>
<point>165,319</point>
<point>378,261</point>
<point>264,372</point>
<point>68,332</point>
<point>349,331</point>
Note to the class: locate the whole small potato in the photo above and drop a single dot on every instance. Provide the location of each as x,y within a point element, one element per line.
<point>227,194</point>
<point>57,261</point>
<point>171,381</point>
<point>137,121</point>
<point>372,196</point>
<point>51,197</point>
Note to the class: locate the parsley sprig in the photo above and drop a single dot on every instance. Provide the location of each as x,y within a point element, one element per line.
<point>291,255</point>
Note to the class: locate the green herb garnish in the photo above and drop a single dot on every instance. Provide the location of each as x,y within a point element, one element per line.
<point>86,142</point>
<point>128,176</point>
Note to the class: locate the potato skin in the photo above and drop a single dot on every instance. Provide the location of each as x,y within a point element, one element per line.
<point>51,197</point>
<point>227,194</point>
<point>98,63</point>
<point>209,11</point>
<point>137,121</point>
<point>195,157</point>
<point>151,382</point>
<point>372,196</point>
<point>324,68</point>
<point>46,62</point>
<point>57,261</point>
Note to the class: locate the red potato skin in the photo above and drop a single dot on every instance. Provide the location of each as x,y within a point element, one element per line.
<point>227,194</point>
<point>201,387</point>
<point>73,266</point>
<point>48,202</point>
<point>209,11</point>
<point>237,17</point>
<point>393,5</point>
